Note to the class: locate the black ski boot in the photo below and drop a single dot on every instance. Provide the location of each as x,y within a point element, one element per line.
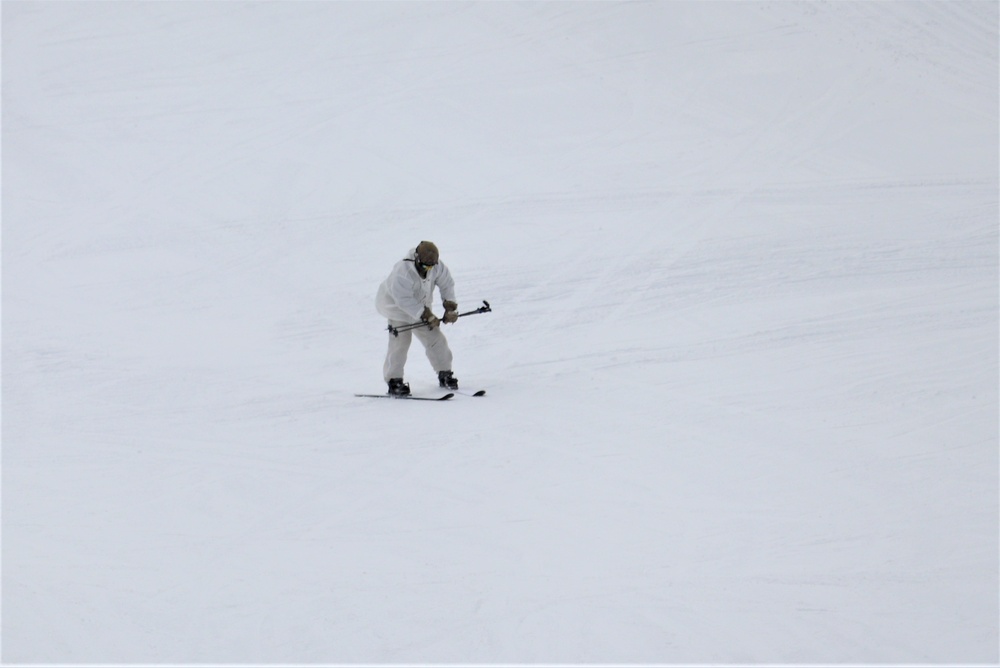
<point>447,379</point>
<point>398,388</point>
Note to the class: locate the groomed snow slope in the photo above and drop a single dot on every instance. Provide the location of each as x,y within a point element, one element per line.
<point>742,364</point>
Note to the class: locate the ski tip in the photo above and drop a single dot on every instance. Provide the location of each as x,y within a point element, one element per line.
<point>480,393</point>
<point>447,396</point>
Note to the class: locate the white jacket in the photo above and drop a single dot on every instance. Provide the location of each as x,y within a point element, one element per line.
<point>403,295</point>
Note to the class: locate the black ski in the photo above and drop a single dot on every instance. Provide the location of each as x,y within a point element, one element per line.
<point>405,396</point>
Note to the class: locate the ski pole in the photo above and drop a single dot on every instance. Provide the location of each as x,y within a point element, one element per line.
<point>485,308</point>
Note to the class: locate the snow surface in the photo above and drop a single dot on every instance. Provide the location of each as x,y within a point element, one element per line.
<point>742,364</point>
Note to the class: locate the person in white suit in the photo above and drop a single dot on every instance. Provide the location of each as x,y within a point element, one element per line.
<point>405,297</point>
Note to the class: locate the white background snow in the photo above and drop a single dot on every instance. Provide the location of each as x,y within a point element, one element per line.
<point>742,364</point>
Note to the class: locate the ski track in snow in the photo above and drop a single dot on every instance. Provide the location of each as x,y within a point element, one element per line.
<point>742,360</point>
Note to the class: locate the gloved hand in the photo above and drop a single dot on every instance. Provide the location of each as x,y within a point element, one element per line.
<point>429,317</point>
<point>450,312</point>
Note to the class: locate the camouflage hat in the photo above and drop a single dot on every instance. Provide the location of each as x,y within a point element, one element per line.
<point>427,253</point>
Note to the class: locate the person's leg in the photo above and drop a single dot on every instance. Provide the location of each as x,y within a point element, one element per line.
<point>395,356</point>
<point>436,347</point>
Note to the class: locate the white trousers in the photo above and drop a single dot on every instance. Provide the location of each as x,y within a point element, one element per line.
<point>435,345</point>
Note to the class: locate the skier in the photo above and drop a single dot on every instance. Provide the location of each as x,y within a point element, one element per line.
<point>405,297</point>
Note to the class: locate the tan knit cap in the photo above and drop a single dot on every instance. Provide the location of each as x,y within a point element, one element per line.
<point>427,253</point>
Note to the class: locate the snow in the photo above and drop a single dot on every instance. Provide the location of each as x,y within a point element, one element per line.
<point>742,360</point>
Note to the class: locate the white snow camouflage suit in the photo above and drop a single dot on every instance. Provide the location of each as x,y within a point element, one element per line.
<point>401,298</point>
